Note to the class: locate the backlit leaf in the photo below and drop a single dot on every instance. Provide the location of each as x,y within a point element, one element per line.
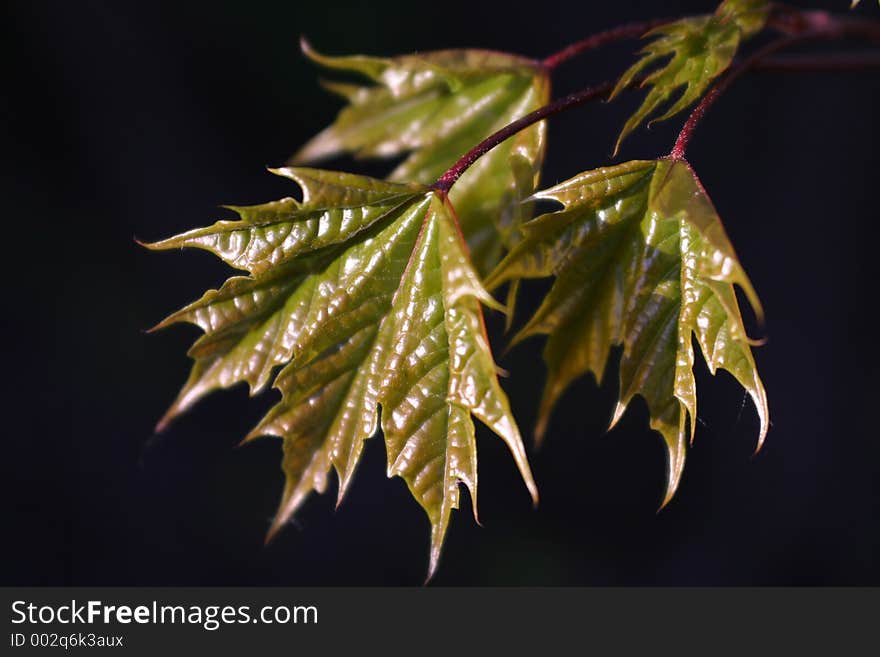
<point>698,49</point>
<point>640,259</point>
<point>432,108</point>
<point>364,295</point>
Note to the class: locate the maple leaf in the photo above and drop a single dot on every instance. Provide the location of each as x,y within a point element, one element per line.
<point>640,259</point>
<point>432,108</point>
<point>364,293</point>
<point>700,48</point>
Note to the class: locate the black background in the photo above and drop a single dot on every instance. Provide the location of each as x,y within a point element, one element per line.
<point>124,120</point>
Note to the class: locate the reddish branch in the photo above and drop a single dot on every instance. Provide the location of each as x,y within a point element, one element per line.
<point>834,62</point>
<point>797,26</point>
<point>793,21</point>
<point>802,27</point>
<point>629,31</point>
<point>787,20</point>
<point>448,179</point>
<point>687,131</point>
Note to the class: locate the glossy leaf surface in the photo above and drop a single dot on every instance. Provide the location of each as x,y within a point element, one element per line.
<point>698,50</point>
<point>432,108</point>
<point>640,259</point>
<point>364,294</point>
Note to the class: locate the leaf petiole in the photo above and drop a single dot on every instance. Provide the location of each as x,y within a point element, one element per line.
<point>447,180</point>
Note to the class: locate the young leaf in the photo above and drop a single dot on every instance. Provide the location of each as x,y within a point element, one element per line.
<point>364,293</point>
<point>700,48</point>
<point>640,259</point>
<point>433,107</point>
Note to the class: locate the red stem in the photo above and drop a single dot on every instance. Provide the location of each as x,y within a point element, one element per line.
<point>628,31</point>
<point>572,100</point>
<point>783,18</point>
<point>796,25</point>
<point>687,131</point>
<point>842,62</point>
<point>800,27</point>
<point>792,21</point>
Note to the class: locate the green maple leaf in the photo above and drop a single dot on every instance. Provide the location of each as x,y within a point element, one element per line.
<point>432,108</point>
<point>700,48</point>
<point>364,293</point>
<point>640,259</point>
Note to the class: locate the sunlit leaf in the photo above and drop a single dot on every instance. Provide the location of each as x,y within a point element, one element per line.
<point>432,108</point>
<point>698,49</point>
<point>640,258</point>
<point>364,294</point>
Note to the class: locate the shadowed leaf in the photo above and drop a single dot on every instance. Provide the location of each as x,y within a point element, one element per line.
<point>640,259</point>
<point>432,108</point>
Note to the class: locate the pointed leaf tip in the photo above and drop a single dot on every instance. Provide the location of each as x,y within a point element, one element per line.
<point>536,497</point>
<point>304,44</point>
<point>160,245</point>
<point>272,532</point>
<point>309,51</point>
<point>166,420</point>
<point>619,410</point>
<point>759,397</point>
<point>433,563</point>
<point>674,469</point>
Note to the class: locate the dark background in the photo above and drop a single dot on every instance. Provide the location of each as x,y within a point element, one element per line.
<point>123,120</point>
